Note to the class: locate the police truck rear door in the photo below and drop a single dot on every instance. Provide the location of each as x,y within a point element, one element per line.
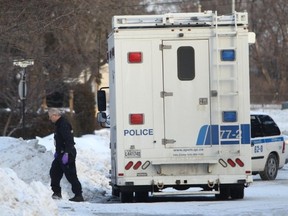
<point>185,91</point>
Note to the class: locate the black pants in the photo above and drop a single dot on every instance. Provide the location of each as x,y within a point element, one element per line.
<point>58,169</point>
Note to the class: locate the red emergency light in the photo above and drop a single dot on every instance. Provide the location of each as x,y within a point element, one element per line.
<point>136,119</point>
<point>135,57</point>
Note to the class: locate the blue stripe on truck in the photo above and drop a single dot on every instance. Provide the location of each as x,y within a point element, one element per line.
<point>209,134</point>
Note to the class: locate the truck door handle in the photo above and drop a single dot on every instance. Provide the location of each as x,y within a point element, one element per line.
<point>168,141</point>
<point>165,94</point>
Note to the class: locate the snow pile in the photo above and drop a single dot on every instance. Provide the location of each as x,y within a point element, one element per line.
<point>24,173</point>
<point>28,159</point>
<point>22,188</point>
<point>19,198</point>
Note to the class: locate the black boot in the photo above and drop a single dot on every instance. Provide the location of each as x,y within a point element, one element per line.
<point>57,195</point>
<point>77,198</point>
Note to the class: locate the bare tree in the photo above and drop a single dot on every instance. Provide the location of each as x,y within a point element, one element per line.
<point>268,19</point>
<point>64,37</point>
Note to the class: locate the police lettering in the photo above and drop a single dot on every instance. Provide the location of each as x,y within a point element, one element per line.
<point>138,132</point>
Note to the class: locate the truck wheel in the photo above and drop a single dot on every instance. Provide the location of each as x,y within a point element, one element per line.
<point>141,196</point>
<point>271,168</point>
<point>115,192</point>
<point>126,197</point>
<point>224,193</point>
<point>237,192</point>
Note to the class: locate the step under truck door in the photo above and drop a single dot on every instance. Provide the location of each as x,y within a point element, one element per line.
<point>185,91</point>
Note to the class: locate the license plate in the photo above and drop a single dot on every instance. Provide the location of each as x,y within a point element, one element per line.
<point>133,153</point>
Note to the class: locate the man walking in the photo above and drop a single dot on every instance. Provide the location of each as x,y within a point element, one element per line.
<point>64,157</point>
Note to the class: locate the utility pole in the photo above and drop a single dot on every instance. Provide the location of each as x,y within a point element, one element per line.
<point>22,87</point>
<point>199,6</point>
<point>71,102</point>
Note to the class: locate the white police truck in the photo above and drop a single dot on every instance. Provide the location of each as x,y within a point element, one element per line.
<point>179,105</point>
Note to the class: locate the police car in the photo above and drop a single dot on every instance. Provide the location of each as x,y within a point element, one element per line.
<point>268,146</point>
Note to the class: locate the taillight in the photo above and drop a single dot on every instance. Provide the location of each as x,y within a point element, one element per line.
<point>128,165</point>
<point>283,147</point>
<point>136,119</point>
<point>134,57</point>
<point>137,165</point>
<point>231,162</point>
<point>239,162</point>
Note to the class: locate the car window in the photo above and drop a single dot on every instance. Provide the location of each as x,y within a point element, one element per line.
<point>263,125</point>
<point>256,127</point>
<point>269,126</point>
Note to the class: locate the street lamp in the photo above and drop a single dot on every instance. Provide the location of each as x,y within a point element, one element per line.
<point>22,87</point>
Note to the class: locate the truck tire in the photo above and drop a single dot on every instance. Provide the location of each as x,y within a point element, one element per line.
<point>271,168</point>
<point>224,193</point>
<point>115,192</point>
<point>141,196</point>
<point>237,192</point>
<point>126,197</point>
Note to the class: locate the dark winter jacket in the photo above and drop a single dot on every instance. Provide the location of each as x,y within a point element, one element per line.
<point>64,139</point>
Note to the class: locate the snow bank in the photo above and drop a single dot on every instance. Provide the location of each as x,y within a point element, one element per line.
<point>19,198</point>
<point>24,173</point>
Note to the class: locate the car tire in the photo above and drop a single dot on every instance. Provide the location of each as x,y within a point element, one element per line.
<point>271,168</point>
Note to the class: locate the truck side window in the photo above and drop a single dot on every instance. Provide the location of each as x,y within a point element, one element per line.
<point>186,63</point>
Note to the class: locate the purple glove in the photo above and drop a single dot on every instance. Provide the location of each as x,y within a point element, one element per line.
<point>65,158</point>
